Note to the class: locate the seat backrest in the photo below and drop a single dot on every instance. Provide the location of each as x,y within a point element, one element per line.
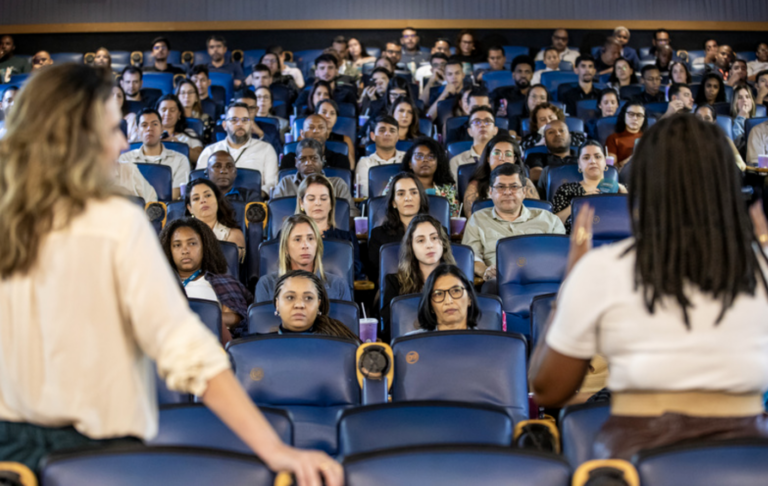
<point>405,310</point>
<point>456,465</point>
<point>528,266</point>
<point>346,126</point>
<point>630,91</point>
<point>742,462</point>
<point>233,258</point>
<point>311,376</point>
<point>451,125</point>
<point>726,123</point>
<point>579,425</point>
<point>338,258</point>
<point>456,148</point>
<point>658,108</point>
<point>574,124</point>
<point>194,425</point>
<point>154,466</point>
<point>761,111</point>
<point>338,147</point>
<point>612,221</point>
<point>252,56</point>
<point>465,173</point>
<point>64,57</point>
<point>497,79</point>
<point>179,147</point>
<point>541,305</point>
<point>552,79</point>
<point>209,312</point>
<point>427,368</point>
<point>605,128</point>
<point>558,176</point>
<point>226,81</point>
<point>197,125</point>
<point>262,318</point>
<point>281,208</point>
<point>160,177</point>
<point>254,235</point>
<point>751,123</point>
<point>511,52</point>
<point>537,204</point>
<point>404,424</point>
<point>379,176</point>
<point>161,81</point>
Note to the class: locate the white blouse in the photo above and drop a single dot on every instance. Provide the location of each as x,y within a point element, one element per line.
<point>77,332</point>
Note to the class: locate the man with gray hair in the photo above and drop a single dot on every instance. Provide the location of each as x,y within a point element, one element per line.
<point>309,160</point>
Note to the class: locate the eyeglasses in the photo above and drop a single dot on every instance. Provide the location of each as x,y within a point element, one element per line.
<point>635,115</point>
<point>309,158</point>
<point>427,157</point>
<point>455,292</point>
<point>510,189</point>
<point>560,38</point>
<point>622,68</point>
<point>409,36</point>
<point>507,155</point>
<point>481,123</point>
<point>654,79</point>
<point>235,120</point>
<point>263,97</point>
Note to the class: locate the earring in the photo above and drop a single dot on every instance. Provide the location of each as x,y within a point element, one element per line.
<point>580,171</point>
<point>606,169</point>
<point>276,312</point>
<point>319,313</point>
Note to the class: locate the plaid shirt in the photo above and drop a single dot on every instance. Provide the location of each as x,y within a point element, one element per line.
<point>233,294</point>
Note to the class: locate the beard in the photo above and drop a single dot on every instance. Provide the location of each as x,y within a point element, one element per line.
<point>239,139</point>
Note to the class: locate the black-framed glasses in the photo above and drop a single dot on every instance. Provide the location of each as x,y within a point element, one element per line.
<point>503,188</point>
<point>427,157</point>
<point>477,122</point>
<point>456,293</point>
<point>235,120</point>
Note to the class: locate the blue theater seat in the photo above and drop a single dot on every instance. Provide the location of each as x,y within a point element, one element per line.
<point>161,81</point>
<point>179,147</point>
<point>528,266</point>
<point>209,312</point>
<point>194,425</point>
<point>312,377</point>
<point>570,173</point>
<point>283,207</point>
<point>226,81</point>
<point>552,79</point>
<point>464,175</point>
<point>579,425</point>
<point>497,79</point>
<point>511,52</point>
<point>246,178</point>
<point>456,465</point>
<point>605,128</point>
<point>455,365</point>
<point>457,148</point>
<point>160,177</point>
<point>229,250</point>
<point>379,176</point>
<point>154,466</point>
<point>752,123</point>
<point>541,306</point>
<point>386,426</point>
<point>262,318</point>
<point>612,221</point>
<point>338,147</point>
<point>64,57</point>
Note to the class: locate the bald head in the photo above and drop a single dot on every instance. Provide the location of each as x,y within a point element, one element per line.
<point>316,127</point>
<point>221,170</point>
<point>557,137</point>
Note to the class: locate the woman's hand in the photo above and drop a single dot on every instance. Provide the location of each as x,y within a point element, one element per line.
<point>759,224</point>
<point>490,273</point>
<point>306,466</point>
<point>581,236</point>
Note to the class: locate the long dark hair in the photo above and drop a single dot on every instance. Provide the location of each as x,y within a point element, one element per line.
<point>213,258</point>
<point>614,80</point>
<point>443,174</point>
<point>310,100</point>
<point>324,324</point>
<point>392,223</point>
<point>689,220</point>
<point>701,96</point>
<point>396,83</point>
<point>413,130</point>
<point>607,92</point>
<point>427,317</point>
<point>687,72</point>
<point>482,175</point>
<point>408,271</point>
<point>225,214</point>
<point>181,123</point>
<point>124,108</point>
<point>621,117</point>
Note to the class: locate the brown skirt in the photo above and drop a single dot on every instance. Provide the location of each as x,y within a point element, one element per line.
<point>623,436</point>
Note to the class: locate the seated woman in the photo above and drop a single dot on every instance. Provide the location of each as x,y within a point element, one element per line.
<point>205,202</point>
<point>275,64</point>
<point>536,95</point>
<point>329,110</point>
<point>425,246</point>
<point>501,149</point>
<point>607,105</point>
<point>631,122</point>
<point>406,113</point>
<point>320,91</point>
<point>448,301</point>
<point>406,199</point>
<point>131,125</point>
<point>175,125</point>
<point>102,58</point>
<point>316,199</point>
<point>303,306</point>
<point>264,109</point>
<point>742,108</point>
<point>301,248</point>
<point>678,311</point>
<point>623,75</point>
<point>592,165</point>
<point>189,97</point>
<point>542,114</point>
<point>358,54</point>
<point>428,160</point>
<point>678,73</point>
<point>195,255</point>
<point>711,90</point>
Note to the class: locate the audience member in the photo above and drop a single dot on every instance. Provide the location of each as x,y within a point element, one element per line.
<point>621,34</point>
<point>273,62</point>
<point>199,75</point>
<point>607,105</point>
<point>269,133</point>
<point>660,39</point>
<point>560,42</point>
<point>557,139</point>
<point>501,149</point>
<point>757,144</point>
<point>708,114</point>
<point>329,110</point>
<point>394,52</point>
<point>406,199</point>
<point>186,92</point>
<point>40,60</point>
<point>131,80</point>
<point>320,90</point>
<point>287,70</point>
<point>261,75</point>
<point>664,59</point>
<point>102,58</point>
<point>385,136</point>
<point>723,61</point>
<point>248,152</point>
<point>496,61</point>
<point>630,125</point>
<point>761,85</point>
<point>537,94</point>
<point>175,127</point>
<point>448,302</point>
<point>623,74</point>
<point>541,114</point>
<point>327,69</point>
<point>339,47</point>
<point>585,69</point>
<point>482,129</point>
<point>507,217</point>
<point>161,48</point>
<point>206,202</point>
<point>522,72</point>
<point>131,125</point>
<point>425,245</point>
<point>680,99</point>
<point>593,167</point>
<point>742,108</point>
<point>217,51</point>
<point>609,53</point>
<point>551,63</point>
<point>710,54</point>
<point>711,90</point>
<point>358,54</point>
<point>303,305</point>
<point>434,72</point>
<point>129,181</point>
<point>678,73</point>
<point>412,52</point>
<point>759,64</point>
<point>301,248</point>
<point>10,65</point>
<point>470,98</point>
<point>651,79</point>
<point>316,127</point>
<point>406,113</point>
<point>428,160</point>
<point>467,47</point>
<point>443,46</point>
<point>264,109</point>
<point>676,292</point>
<point>738,73</point>
<point>152,151</point>
<point>194,254</point>
<point>222,171</point>
<point>454,82</point>
<point>373,99</point>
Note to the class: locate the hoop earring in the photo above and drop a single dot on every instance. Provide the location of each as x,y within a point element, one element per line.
<point>606,169</point>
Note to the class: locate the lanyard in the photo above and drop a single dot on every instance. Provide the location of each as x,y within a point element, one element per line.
<point>238,157</point>
<point>191,278</point>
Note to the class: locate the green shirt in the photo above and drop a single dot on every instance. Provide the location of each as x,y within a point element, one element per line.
<point>485,228</point>
<point>18,65</point>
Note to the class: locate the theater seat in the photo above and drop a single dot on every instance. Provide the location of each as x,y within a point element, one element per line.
<point>379,176</point>
<point>464,173</point>
<point>160,177</point>
<point>579,425</point>
<point>312,377</point>
<point>497,79</point>
<point>343,174</point>
<point>486,367</point>
<point>233,258</point>
<point>528,266</point>
<point>154,466</point>
<point>262,318</point>
<point>161,81</point>
<point>605,128</point>
<point>552,79</point>
<point>456,465</point>
<point>386,426</point>
<point>752,123</point>
<point>612,221</point>
<point>179,147</point>
<point>209,312</point>
<point>570,173</point>
<point>541,305</point>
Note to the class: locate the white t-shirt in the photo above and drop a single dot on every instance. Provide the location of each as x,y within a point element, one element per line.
<point>600,312</point>
<point>201,289</point>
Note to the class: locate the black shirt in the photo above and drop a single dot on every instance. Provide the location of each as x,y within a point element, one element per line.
<point>332,159</point>
<point>570,98</point>
<point>212,109</point>
<point>380,237</point>
<point>549,160</point>
<point>646,98</point>
<point>600,66</point>
<point>170,69</point>
<point>510,93</point>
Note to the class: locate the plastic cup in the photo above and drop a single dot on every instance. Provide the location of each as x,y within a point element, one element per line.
<point>457,225</point>
<point>288,137</point>
<point>610,160</point>
<point>362,120</point>
<point>361,225</point>
<point>762,161</point>
<point>368,329</point>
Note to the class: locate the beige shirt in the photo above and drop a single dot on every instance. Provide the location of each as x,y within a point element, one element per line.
<point>255,155</point>
<point>485,228</point>
<point>77,332</point>
<point>757,143</point>
<point>177,162</point>
<point>129,178</point>
<point>466,157</point>
<point>364,166</point>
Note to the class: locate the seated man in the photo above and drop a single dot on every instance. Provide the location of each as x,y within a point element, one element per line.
<point>560,42</point>
<point>522,73</point>
<point>610,52</point>
<point>129,181</point>
<point>384,135</point>
<point>327,69</point>
<point>199,76</point>
<point>761,84</point>
<point>454,77</point>
<point>470,98</point>
<point>738,73</point>
<point>585,69</point>
<point>651,78</point>
<point>394,52</point>
<point>723,61</point>
<point>247,152</point>
<point>308,162</point>
<point>40,60</point>
<point>373,101</point>
<point>267,133</point>
<point>557,139</point>
<point>508,217</point>
<point>10,65</point>
<point>482,129</point>
<point>496,61</point>
<point>757,144</point>
<point>261,76</point>
<point>222,171</point>
<point>217,49</point>
<point>710,54</point>
<point>161,47</point>
<point>152,151</point>
<point>131,80</point>
<point>759,64</point>
<point>316,127</point>
<point>434,72</point>
<point>411,49</point>
<point>680,99</point>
